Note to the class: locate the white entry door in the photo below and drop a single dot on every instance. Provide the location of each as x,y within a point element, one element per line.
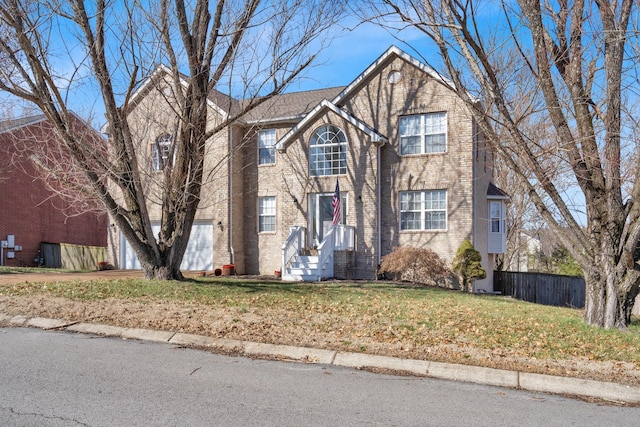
<point>198,256</point>
<point>321,215</point>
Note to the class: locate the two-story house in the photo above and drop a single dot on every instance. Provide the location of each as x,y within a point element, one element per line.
<point>411,166</point>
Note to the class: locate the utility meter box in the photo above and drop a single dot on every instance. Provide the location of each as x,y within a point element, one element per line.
<point>11,254</point>
<point>11,240</point>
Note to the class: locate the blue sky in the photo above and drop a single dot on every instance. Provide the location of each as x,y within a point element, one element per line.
<point>352,49</point>
<point>355,48</point>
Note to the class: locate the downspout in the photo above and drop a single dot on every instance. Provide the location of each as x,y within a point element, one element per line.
<point>230,197</point>
<point>473,191</point>
<point>379,221</point>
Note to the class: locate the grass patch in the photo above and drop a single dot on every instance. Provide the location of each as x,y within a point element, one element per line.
<point>15,270</point>
<point>386,313</point>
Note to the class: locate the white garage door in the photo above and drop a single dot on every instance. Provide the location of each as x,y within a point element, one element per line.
<point>198,256</point>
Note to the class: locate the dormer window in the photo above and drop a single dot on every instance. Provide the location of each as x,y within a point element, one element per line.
<point>328,151</point>
<point>161,150</point>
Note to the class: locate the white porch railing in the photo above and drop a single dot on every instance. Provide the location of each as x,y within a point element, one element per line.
<point>344,237</point>
<point>293,245</point>
<point>296,267</point>
<point>325,254</point>
<point>339,238</point>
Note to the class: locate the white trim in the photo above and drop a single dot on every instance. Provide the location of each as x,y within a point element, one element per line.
<point>287,119</point>
<point>423,211</point>
<point>260,215</point>
<point>497,241</point>
<point>163,69</point>
<point>375,136</point>
<point>423,134</point>
<point>393,50</point>
<point>266,131</point>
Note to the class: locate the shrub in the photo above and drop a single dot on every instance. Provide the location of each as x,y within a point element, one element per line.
<point>415,265</point>
<point>468,264</point>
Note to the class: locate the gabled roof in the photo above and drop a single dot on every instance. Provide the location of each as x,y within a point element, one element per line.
<point>294,106</point>
<point>375,136</point>
<point>13,124</point>
<point>280,108</point>
<point>390,53</point>
<point>217,100</point>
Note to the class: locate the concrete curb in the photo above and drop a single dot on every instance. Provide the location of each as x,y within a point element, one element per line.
<point>474,374</point>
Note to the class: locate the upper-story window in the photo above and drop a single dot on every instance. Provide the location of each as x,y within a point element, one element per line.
<point>267,147</point>
<point>328,151</point>
<point>423,210</point>
<point>161,151</point>
<point>423,134</point>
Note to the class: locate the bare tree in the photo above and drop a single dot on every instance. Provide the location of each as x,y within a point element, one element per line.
<point>58,50</point>
<point>579,58</point>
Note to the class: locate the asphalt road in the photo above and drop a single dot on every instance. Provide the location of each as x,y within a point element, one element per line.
<point>65,379</point>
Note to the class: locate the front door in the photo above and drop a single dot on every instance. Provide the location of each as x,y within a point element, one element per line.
<point>321,215</point>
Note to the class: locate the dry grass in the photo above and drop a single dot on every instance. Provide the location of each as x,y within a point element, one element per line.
<point>381,318</point>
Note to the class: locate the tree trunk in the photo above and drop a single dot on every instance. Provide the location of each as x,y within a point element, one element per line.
<point>162,272</point>
<point>609,298</point>
<point>166,266</point>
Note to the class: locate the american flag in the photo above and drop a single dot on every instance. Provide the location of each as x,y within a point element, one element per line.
<point>335,203</point>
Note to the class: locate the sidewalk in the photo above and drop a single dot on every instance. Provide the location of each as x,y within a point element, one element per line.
<point>606,391</point>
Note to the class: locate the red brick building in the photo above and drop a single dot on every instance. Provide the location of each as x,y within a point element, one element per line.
<point>30,213</point>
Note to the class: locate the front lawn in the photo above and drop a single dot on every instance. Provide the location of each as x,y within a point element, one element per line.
<point>378,317</point>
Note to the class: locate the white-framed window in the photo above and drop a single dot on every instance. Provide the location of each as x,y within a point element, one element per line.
<point>161,150</point>
<point>423,133</point>
<point>328,151</point>
<point>497,217</point>
<point>267,147</point>
<point>423,210</point>
<point>266,214</point>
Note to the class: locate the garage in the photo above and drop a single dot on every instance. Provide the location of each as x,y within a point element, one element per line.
<point>198,256</point>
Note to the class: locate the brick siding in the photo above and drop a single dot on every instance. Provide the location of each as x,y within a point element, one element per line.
<point>31,212</point>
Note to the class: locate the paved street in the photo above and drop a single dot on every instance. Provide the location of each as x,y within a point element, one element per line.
<point>64,379</point>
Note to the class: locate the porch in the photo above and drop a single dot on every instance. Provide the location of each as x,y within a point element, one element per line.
<point>304,262</point>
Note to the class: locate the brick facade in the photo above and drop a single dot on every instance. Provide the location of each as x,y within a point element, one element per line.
<point>29,210</point>
<point>368,112</point>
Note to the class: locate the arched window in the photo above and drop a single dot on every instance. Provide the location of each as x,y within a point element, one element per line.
<point>328,151</point>
<point>160,151</point>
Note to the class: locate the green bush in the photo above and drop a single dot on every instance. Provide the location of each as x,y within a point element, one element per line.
<point>468,264</point>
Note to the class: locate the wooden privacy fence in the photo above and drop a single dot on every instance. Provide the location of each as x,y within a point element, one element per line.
<point>72,257</point>
<point>541,288</point>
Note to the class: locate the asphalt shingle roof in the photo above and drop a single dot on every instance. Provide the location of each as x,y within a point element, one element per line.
<point>290,105</point>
